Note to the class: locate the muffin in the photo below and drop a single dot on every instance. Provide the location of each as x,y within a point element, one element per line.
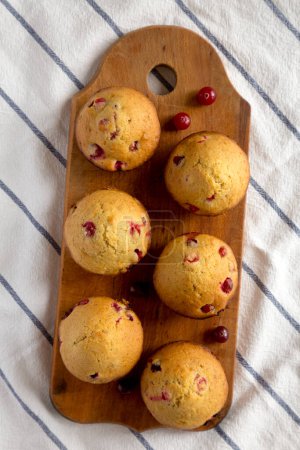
<point>107,232</point>
<point>118,129</point>
<point>196,275</point>
<point>207,173</point>
<point>184,385</point>
<point>101,339</point>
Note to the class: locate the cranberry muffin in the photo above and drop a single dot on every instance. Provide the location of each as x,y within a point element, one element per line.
<point>118,129</point>
<point>107,232</point>
<point>196,275</point>
<point>207,173</point>
<point>184,385</point>
<point>101,339</point>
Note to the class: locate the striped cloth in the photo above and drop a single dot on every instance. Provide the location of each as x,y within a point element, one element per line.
<point>49,50</point>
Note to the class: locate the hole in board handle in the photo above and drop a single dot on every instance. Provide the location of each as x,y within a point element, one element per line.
<point>162,79</point>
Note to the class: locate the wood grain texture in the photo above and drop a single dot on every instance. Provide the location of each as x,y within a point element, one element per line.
<point>127,63</point>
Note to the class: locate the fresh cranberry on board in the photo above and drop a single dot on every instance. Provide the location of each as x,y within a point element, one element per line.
<point>220,334</point>
<point>206,96</point>
<point>181,121</point>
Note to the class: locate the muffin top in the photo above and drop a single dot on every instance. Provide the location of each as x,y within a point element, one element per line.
<point>118,129</point>
<point>184,385</point>
<point>196,275</point>
<point>207,173</point>
<point>107,232</point>
<point>101,339</point>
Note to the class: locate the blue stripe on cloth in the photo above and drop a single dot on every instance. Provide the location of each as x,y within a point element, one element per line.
<point>34,222</point>
<point>39,421</point>
<point>283,18</point>
<point>226,438</point>
<point>105,17</point>
<point>141,439</point>
<point>271,297</point>
<point>268,388</point>
<point>240,68</point>
<point>33,128</point>
<point>43,44</point>
<point>274,205</point>
<point>26,310</point>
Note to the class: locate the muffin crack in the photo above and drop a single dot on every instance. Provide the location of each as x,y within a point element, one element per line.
<point>77,341</point>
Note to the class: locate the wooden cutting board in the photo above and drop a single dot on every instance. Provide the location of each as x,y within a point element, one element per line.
<point>128,63</point>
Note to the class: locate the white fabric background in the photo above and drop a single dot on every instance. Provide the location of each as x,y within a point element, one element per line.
<point>48,50</point>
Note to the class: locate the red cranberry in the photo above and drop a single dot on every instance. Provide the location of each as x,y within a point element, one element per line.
<point>227,285</point>
<point>206,96</point>
<point>163,396</point>
<point>203,139</point>
<point>192,208</point>
<point>89,228</point>
<point>177,159</point>
<point>129,316</point>
<point>104,122</point>
<point>119,165</point>
<point>116,306</point>
<point>134,227</point>
<point>220,334</point>
<point>67,313</point>
<point>191,259</point>
<point>209,199</point>
<point>113,135</point>
<point>99,103</point>
<point>98,152</point>
<point>207,308</point>
<point>222,252</point>
<point>83,302</point>
<point>134,146</point>
<point>201,383</point>
<point>139,253</point>
<point>100,100</point>
<point>118,320</point>
<point>181,121</point>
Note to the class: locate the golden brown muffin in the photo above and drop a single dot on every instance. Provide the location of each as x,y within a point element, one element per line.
<point>196,275</point>
<point>118,129</point>
<point>184,385</point>
<point>101,339</point>
<point>107,232</point>
<point>207,173</point>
